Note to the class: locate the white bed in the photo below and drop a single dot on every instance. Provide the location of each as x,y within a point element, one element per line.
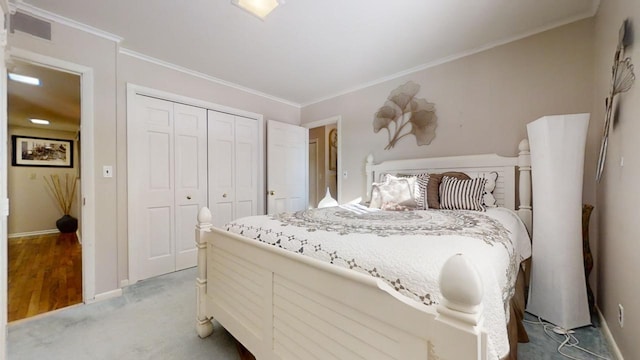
<point>282,305</point>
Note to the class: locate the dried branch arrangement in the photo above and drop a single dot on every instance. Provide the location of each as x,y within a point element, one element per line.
<point>65,192</point>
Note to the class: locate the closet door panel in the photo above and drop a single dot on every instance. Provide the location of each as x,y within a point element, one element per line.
<point>191,178</point>
<point>151,188</point>
<point>246,165</point>
<point>221,138</point>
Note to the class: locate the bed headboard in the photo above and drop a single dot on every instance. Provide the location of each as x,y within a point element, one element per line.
<point>508,193</point>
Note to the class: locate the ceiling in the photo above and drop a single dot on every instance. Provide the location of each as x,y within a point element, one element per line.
<point>57,99</point>
<point>309,50</point>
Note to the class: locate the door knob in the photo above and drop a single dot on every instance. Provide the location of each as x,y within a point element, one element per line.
<point>188,197</point>
<point>271,192</point>
<point>224,195</point>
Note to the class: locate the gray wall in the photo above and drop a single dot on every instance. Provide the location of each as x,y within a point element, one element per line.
<point>617,194</point>
<point>483,101</point>
<point>112,71</point>
<point>32,207</point>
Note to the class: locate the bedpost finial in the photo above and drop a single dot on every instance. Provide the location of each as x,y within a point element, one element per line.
<point>461,285</point>
<point>370,158</point>
<point>524,145</point>
<point>204,216</point>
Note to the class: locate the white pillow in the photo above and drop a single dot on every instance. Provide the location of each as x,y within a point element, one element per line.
<point>413,183</point>
<point>392,194</point>
<point>487,198</point>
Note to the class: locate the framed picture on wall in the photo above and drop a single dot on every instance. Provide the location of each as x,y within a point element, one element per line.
<point>35,151</point>
<point>333,149</point>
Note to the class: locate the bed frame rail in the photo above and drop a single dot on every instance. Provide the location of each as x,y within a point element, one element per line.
<point>281,305</point>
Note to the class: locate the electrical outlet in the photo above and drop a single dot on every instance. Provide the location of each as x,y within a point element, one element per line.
<point>620,315</point>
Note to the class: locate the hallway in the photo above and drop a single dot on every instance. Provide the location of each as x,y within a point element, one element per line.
<point>45,274</point>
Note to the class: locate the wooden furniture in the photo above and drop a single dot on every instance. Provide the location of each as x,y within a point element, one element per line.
<point>586,254</point>
<point>333,312</point>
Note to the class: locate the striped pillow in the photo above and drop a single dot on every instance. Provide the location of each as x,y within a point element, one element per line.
<point>462,194</point>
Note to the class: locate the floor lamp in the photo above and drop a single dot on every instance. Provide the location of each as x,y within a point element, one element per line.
<point>557,291</point>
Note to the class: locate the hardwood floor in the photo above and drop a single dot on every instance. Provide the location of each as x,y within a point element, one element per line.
<point>45,273</point>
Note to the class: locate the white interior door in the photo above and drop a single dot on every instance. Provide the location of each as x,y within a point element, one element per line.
<point>190,138</point>
<point>151,188</point>
<point>221,135</point>
<point>167,171</point>
<point>246,167</point>
<point>287,167</point>
<point>4,200</point>
<point>313,173</point>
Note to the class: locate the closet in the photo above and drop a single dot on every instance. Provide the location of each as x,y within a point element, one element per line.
<point>233,166</point>
<point>181,158</point>
<point>167,184</point>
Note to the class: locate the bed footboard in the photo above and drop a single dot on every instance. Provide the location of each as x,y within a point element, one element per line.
<point>282,305</point>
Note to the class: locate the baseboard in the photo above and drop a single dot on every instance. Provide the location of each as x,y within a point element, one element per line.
<point>124,283</point>
<point>106,296</point>
<point>33,233</point>
<point>609,337</point>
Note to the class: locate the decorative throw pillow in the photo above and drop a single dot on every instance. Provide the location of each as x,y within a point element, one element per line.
<point>393,193</point>
<point>433,187</point>
<point>412,179</point>
<point>487,198</point>
<point>458,194</point>
<point>421,189</point>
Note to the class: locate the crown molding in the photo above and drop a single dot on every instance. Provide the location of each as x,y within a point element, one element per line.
<point>460,55</point>
<point>203,76</point>
<point>21,6</point>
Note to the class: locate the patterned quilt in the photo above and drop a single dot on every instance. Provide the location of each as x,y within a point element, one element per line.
<point>407,249</point>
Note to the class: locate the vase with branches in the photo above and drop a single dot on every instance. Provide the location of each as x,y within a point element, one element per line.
<point>64,193</point>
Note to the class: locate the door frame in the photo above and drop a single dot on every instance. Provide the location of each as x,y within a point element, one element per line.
<point>132,91</point>
<point>314,141</point>
<point>87,173</point>
<point>337,120</point>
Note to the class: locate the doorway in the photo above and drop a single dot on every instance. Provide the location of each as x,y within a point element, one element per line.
<point>44,183</point>
<point>325,175</point>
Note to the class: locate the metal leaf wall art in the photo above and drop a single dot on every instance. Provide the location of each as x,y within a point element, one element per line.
<point>403,114</point>
<point>622,78</point>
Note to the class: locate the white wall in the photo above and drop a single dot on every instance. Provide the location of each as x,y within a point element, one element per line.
<point>33,207</point>
<point>139,72</point>
<point>112,70</point>
<point>98,53</point>
<point>483,101</point>
<point>618,195</point>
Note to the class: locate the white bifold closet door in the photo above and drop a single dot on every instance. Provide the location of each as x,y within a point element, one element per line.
<point>167,155</point>
<point>233,167</point>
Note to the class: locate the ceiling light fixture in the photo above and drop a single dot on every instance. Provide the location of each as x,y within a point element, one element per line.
<point>24,79</point>
<point>39,121</point>
<point>258,8</point>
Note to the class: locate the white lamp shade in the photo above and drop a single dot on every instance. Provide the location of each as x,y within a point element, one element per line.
<point>557,290</point>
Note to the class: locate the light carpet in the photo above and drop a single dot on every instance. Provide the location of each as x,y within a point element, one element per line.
<point>155,319</point>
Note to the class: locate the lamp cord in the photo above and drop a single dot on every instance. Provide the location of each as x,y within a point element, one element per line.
<point>570,341</point>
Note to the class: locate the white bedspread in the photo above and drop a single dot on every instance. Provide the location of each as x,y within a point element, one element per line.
<point>408,248</point>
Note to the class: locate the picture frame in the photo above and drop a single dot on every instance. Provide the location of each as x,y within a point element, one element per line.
<point>41,152</point>
<point>333,150</point>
